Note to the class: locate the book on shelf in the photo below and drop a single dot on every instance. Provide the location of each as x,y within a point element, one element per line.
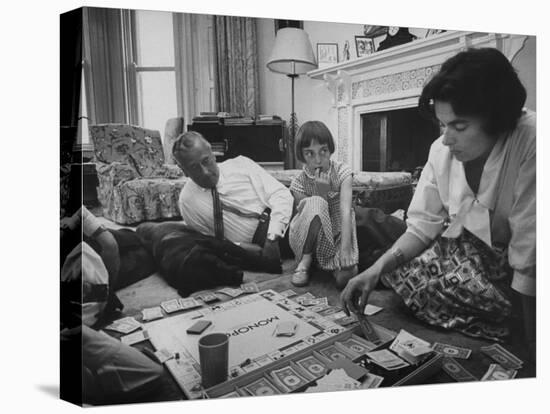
<point>245,120</point>
<point>263,119</point>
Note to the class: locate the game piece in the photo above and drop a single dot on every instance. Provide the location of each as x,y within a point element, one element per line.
<point>456,371</point>
<point>497,373</point>
<point>451,350</point>
<point>171,306</point>
<point>313,366</point>
<point>150,314</point>
<point>189,303</point>
<point>410,348</point>
<point>502,356</point>
<point>261,386</point>
<point>368,330</point>
<point>250,287</point>
<point>371,309</point>
<point>288,293</point>
<point>163,355</point>
<point>134,338</point>
<point>287,378</point>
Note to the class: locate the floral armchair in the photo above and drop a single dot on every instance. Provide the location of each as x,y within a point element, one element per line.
<point>135,183</point>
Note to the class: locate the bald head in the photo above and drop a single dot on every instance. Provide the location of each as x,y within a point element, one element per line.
<point>194,156</point>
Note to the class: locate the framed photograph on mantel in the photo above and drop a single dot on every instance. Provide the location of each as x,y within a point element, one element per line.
<point>364,45</point>
<point>327,54</point>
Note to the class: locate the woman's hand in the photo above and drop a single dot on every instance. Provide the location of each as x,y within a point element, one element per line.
<point>356,293</point>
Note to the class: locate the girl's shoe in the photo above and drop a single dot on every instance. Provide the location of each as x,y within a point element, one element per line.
<point>300,277</point>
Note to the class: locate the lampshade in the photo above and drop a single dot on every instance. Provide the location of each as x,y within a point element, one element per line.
<point>292,53</point>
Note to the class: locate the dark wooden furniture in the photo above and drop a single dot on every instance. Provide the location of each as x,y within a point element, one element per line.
<point>265,144</point>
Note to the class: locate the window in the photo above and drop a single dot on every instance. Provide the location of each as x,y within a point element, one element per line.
<point>169,67</point>
<point>150,67</point>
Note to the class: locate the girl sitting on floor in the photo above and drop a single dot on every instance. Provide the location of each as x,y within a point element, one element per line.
<point>323,229</point>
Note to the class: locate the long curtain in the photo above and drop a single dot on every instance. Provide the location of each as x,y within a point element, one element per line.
<point>237,86</point>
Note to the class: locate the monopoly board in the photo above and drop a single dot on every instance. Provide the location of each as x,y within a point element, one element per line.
<point>249,322</point>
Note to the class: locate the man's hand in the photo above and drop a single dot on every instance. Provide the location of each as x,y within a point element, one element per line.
<point>271,255</point>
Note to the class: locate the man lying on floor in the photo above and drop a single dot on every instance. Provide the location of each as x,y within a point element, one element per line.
<point>111,372</point>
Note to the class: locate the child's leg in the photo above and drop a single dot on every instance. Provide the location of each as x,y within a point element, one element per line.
<point>310,244</point>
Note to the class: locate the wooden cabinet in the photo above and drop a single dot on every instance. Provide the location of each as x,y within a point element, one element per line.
<point>266,144</point>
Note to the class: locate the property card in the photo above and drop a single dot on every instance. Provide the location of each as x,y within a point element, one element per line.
<point>189,303</point>
<point>231,292</point>
<point>208,297</point>
<point>371,309</point>
<point>124,325</point>
<point>134,338</point>
<point>288,293</point>
<point>171,306</point>
<point>250,287</point>
<point>150,314</point>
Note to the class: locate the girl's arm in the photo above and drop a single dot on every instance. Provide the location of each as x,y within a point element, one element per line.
<point>346,231</point>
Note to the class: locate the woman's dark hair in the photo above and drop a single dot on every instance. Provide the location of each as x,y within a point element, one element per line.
<point>478,82</point>
<point>312,131</point>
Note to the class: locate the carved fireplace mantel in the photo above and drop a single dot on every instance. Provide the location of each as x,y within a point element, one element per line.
<point>393,79</point>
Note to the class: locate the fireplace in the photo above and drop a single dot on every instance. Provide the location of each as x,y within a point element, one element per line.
<point>396,140</point>
<point>376,98</point>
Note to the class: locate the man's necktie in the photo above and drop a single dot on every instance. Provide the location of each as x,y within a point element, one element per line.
<point>218,214</point>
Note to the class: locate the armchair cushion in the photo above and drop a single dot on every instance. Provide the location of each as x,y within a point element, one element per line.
<point>140,147</point>
<point>144,199</point>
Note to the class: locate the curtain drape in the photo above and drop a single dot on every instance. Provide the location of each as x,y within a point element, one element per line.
<point>237,86</point>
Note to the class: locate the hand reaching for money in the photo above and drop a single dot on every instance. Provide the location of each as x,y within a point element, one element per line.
<point>322,183</point>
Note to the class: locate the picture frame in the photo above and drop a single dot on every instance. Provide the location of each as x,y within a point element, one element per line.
<point>327,54</point>
<point>364,45</point>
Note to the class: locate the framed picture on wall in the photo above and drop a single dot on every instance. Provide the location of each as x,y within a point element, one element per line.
<point>327,54</point>
<point>364,45</point>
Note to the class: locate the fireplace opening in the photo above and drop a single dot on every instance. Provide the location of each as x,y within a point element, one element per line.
<point>397,140</point>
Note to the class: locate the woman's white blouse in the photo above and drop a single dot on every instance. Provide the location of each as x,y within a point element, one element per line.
<point>504,209</point>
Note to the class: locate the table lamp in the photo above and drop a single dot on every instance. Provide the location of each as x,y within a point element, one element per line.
<point>292,55</point>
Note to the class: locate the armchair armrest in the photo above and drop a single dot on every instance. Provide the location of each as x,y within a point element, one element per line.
<point>115,173</point>
<point>169,171</point>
